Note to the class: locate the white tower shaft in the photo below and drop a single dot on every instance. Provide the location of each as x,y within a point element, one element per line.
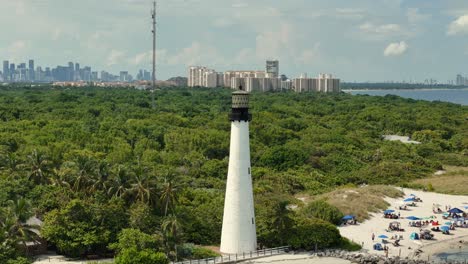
<point>239,232</point>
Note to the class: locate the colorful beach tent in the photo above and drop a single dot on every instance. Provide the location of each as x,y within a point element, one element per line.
<point>388,211</point>
<point>378,246</point>
<point>455,211</point>
<point>412,218</point>
<point>444,228</point>
<point>347,217</point>
<point>414,236</point>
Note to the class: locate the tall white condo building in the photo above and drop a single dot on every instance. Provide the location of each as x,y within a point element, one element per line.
<point>239,234</point>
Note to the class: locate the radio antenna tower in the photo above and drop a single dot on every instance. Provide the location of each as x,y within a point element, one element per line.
<point>153,16</point>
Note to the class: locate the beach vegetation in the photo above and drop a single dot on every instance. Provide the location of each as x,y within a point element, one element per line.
<point>93,162</point>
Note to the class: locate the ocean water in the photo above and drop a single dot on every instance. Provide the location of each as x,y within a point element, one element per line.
<point>461,256</point>
<point>457,96</point>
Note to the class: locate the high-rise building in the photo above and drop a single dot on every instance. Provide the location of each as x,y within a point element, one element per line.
<point>77,76</point>
<point>70,71</point>
<point>124,76</point>
<point>6,71</point>
<point>238,232</point>
<point>324,83</point>
<point>272,68</point>
<point>31,76</point>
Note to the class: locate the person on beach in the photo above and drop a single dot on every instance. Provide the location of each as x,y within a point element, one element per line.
<point>373,237</point>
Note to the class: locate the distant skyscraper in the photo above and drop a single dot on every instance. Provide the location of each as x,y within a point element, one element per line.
<point>77,75</point>
<point>71,71</point>
<point>12,72</point>
<point>32,76</point>
<point>272,68</point>
<point>6,70</point>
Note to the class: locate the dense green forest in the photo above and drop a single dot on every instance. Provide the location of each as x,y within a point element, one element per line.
<point>108,174</point>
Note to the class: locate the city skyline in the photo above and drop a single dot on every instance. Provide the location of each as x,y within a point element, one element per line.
<point>13,71</point>
<point>363,41</point>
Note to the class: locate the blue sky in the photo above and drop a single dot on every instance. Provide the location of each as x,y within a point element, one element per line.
<point>356,40</point>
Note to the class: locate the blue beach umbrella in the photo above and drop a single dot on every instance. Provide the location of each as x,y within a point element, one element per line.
<point>448,223</point>
<point>348,217</point>
<point>412,218</point>
<point>383,236</point>
<point>444,228</point>
<point>466,207</point>
<point>455,211</point>
<point>388,211</point>
<point>408,200</point>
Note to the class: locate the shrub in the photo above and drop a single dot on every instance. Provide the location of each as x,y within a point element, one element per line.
<point>201,253</point>
<point>146,256</point>
<point>322,210</point>
<point>348,245</point>
<point>311,234</point>
<point>134,238</point>
<point>19,260</point>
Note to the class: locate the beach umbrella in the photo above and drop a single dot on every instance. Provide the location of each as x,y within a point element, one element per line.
<point>408,200</point>
<point>445,214</point>
<point>444,228</point>
<point>434,224</point>
<point>383,236</point>
<point>455,211</point>
<point>466,207</point>
<point>412,218</point>
<point>347,217</point>
<point>388,211</point>
<point>448,223</point>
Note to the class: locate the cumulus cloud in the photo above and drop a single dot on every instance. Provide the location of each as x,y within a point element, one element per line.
<point>17,46</point>
<point>459,26</point>
<point>396,49</point>
<point>115,56</point>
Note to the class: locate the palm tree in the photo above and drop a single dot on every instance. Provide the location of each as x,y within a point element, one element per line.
<point>100,181</point>
<point>38,163</point>
<point>85,168</point>
<point>142,187</point>
<point>14,223</point>
<point>281,219</point>
<point>169,194</point>
<point>119,183</point>
<point>171,229</point>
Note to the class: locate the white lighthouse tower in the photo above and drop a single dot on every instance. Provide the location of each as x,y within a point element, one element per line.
<point>238,234</point>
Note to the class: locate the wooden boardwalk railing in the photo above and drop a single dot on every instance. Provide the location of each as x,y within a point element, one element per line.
<point>229,258</point>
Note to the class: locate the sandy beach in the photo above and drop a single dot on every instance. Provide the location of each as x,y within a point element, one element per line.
<point>377,224</point>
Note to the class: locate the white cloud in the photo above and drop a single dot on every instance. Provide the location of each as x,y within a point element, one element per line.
<point>196,54</point>
<point>309,56</point>
<point>415,16</point>
<point>115,56</point>
<point>223,22</point>
<point>385,29</point>
<point>17,46</point>
<point>396,49</point>
<point>349,13</point>
<point>20,8</point>
<point>459,26</point>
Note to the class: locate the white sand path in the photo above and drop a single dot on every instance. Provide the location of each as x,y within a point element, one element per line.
<point>298,259</point>
<point>362,233</point>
